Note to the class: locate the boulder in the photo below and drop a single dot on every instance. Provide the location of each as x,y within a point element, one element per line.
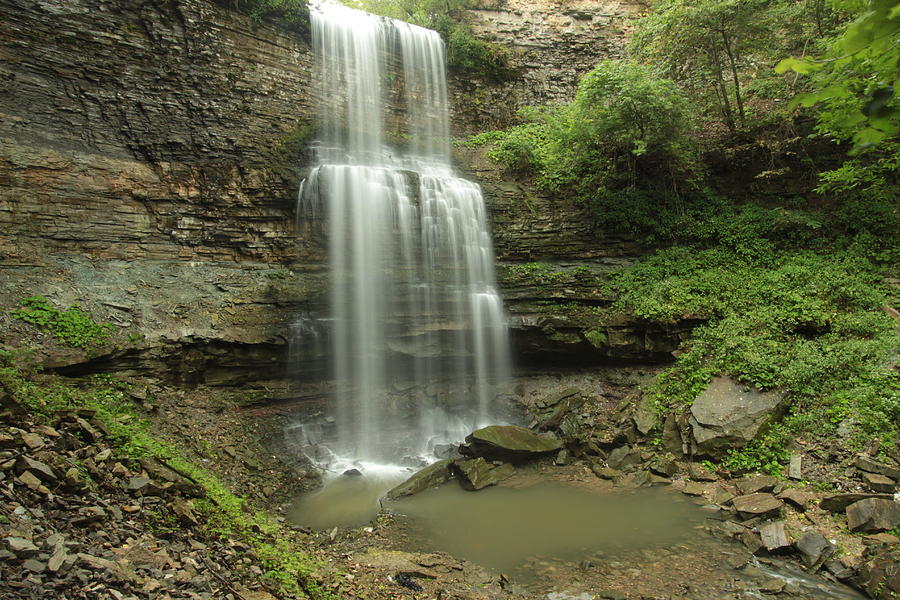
<point>477,473</point>
<point>873,515</point>
<point>879,483</point>
<point>814,549</point>
<point>728,415</point>
<point>758,483</point>
<point>864,463</point>
<point>757,505</point>
<point>698,472</point>
<point>510,443</point>
<point>774,537</point>
<point>622,457</point>
<point>431,476</point>
<point>839,502</point>
<point>797,498</point>
<point>879,573</point>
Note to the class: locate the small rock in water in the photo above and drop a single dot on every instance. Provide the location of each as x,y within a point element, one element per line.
<point>353,473</point>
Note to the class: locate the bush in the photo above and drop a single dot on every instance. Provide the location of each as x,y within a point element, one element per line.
<point>624,137</point>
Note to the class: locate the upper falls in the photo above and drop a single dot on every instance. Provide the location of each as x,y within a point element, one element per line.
<point>417,328</point>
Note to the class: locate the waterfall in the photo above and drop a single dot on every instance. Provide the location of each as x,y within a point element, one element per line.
<point>418,331</point>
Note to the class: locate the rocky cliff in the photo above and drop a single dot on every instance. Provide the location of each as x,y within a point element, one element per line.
<point>150,153</point>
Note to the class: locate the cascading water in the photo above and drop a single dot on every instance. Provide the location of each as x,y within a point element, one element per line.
<point>418,332</point>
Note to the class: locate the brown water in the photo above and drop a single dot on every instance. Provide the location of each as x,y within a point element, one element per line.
<point>506,528</point>
<point>345,501</point>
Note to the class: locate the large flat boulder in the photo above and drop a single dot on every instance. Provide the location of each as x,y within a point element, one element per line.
<point>729,415</point>
<point>510,443</point>
<point>431,476</point>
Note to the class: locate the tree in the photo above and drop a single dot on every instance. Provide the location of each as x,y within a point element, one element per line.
<point>854,81</point>
<point>703,45</point>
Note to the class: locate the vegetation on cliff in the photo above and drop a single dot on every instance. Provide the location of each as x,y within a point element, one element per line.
<point>790,282</point>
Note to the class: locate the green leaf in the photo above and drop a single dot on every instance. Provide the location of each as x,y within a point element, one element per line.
<point>798,65</point>
<point>880,98</point>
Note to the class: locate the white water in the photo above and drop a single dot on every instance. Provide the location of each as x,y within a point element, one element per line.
<point>418,331</point>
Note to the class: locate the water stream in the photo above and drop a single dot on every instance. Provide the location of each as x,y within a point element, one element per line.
<point>414,302</point>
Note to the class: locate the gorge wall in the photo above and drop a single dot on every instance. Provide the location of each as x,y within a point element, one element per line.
<point>150,153</point>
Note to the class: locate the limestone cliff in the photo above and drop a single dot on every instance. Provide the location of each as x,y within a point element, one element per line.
<point>150,153</point>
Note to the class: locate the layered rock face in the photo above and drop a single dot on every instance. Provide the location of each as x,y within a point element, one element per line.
<point>551,44</point>
<point>150,154</point>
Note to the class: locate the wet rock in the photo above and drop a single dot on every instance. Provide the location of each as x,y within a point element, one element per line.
<point>510,443</point>
<point>752,542</point>
<point>622,457</point>
<point>879,483</point>
<point>645,416</point>
<point>839,569</point>
<point>757,505</point>
<point>864,463</point>
<point>774,537</point>
<point>664,466</point>
<point>604,472</point>
<point>477,473</point>
<point>431,476</point>
<point>873,515</point>
<point>758,483</point>
<point>556,407</point>
<point>727,415</point>
<point>562,458</point>
<point>671,435</point>
<point>814,549</point>
<point>693,488</point>
<point>352,473</point>
<point>839,502</point>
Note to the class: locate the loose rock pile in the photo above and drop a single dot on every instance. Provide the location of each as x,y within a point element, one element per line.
<point>77,520</point>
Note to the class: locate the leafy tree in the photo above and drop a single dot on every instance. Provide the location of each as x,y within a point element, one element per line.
<point>623,144</point>
<point>854,80</point>
<point>703,45</point>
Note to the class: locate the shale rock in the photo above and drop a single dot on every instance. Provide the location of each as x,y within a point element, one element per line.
<point>431,476</point>
<point>873,515</point>
<point>839,502</point>
<point>879,574</point>
<point>510,443</point>
<point>726,415</point>
<point>477,473</point>
<point>814,549</point>
<point>757,505</point>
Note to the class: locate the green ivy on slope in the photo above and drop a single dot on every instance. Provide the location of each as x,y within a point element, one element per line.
<point>809,324</point>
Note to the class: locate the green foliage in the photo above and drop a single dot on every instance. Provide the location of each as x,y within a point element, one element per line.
<point>291,14</point>
<point>811,325</point>
<point>466,54</point>
<point>853,81</point>
<point>623,144</point>
<point>73,326</point>
<point>536,273</point>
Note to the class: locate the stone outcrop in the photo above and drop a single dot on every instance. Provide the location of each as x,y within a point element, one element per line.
<point>728,415</point>
<point>551,45</point>
<point>150,154</point>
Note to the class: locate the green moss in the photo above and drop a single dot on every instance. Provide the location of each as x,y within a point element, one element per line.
<point>72,326</point>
